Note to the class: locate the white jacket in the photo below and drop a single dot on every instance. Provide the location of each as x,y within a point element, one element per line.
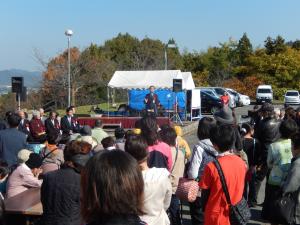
<point>157,196</point>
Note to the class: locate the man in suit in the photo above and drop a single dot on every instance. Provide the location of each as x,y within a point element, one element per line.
<point>24,124</point>
<point>69,124</point>
<point>151,101</point>
<point>11,140</point>
<point>52,124</point>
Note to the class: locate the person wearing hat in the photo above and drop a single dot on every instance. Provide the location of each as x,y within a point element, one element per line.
<point>267,133</point>
<point>25,176</point>
<point>60,191</point>
<point>23,155</point>
<point>225,116</point>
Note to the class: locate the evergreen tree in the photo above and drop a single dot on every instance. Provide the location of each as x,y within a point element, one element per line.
<point>244,49</point>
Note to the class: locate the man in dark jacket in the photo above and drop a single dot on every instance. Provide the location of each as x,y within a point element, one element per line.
<point>24,124</point>
<point>52,124</point>
<point>267,133</point>
<point>11,140</point>
<point>69,124</point>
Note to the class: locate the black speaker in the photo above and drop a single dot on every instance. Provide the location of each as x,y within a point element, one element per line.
<point>17,84</point>
<point>23,95</point>
<point>177,85</point>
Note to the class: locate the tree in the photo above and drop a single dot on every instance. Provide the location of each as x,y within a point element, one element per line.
<point>244,49</point>
<point>275,46</point>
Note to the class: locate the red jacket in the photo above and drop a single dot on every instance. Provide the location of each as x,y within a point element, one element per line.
<point>36,127</point>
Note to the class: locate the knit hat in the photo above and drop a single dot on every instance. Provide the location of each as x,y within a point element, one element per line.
<point>23,155</point>
<point>34,161</point>
<point>224,116</point>
<point>86,130</point>
<point>90,140</point>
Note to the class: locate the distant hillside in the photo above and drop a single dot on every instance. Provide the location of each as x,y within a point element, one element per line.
<point>31,79</point>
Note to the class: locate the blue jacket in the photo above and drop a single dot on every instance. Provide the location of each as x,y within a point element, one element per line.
<point>11,142</point>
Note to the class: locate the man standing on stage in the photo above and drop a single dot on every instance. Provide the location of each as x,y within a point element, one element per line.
<point>151,101</point>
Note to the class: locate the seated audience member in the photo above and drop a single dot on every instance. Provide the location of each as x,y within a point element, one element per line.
<point>203,153</point>
<point>42,115</point>
<point>11,140</point>
<point>23,155</point>
<point>98,133</point>
<point>120,138</point>
<point>37,128</point>
<point>160,155</point>
<point>157,185</point>
<point>53,157</point>
<point>278,161</point>
<point>4,172</point>
<point>24,123</point>
<point>60,192</point>
<point>108,143</point>
<point>292,183</point>
<point>182,144</point>
<point>168,135</point>
<point>52,124</point>
<point>234,169</point>
<point>112,190</point>
<point>25,176</point>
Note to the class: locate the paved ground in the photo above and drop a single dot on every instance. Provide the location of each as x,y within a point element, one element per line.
<point>192,139</point>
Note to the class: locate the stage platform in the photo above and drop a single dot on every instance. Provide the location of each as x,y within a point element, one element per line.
<point>125,122</point>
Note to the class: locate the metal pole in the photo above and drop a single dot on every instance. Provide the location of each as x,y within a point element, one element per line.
<point>69,72</point>
<point>166,57</point>
<point>19,101</point>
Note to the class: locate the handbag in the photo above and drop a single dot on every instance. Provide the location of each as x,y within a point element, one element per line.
<point>187,189</point>
<point>285,207</point>
<point>239,214</point>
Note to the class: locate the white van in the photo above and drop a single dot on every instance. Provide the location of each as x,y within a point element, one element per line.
<point>264,93</point>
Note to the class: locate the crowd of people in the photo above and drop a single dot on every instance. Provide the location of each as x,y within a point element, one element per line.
<point>87,176</point>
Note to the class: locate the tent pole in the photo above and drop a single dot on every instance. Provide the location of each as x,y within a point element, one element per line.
<point>108,100</point>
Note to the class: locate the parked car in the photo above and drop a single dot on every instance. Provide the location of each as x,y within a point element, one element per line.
<point>244,100</point>
<point>220,91</point>
<point>292,97</point>
<point>236,96</point>
<point>210,103</point>
<point>264,93</point>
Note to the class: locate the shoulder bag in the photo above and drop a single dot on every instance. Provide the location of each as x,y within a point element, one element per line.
<point>239,214</point>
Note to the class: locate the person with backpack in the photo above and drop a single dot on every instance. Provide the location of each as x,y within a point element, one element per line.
<point>203,153</point>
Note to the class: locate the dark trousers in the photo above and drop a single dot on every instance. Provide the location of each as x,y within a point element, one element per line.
<point>174,211</point>
<point>196,211</point>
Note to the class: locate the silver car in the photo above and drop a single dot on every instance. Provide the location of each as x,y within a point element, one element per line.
<point>291,97</point>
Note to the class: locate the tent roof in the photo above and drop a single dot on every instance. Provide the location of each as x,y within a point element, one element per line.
<point>143,79</point>
<point>188,80</point>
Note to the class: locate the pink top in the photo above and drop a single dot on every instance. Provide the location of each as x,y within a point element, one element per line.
<point>21,180</point>
<point>165,149</point>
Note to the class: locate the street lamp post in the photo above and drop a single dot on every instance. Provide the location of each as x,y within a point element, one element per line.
<point>170,44</point>
<point>69,33</point>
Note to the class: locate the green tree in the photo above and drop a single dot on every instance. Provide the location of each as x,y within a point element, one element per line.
<point>244,49</point>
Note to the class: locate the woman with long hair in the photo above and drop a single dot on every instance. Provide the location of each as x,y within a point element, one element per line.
<point>160,155</point>
<point>112,190</point>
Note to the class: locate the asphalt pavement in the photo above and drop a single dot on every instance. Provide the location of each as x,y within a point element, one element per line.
<point>192,140</point>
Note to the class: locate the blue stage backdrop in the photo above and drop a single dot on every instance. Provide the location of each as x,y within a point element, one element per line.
<point>166,98</point>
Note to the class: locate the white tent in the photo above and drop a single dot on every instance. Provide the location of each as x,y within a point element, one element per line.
<point>188,80</point>
<point>143,79</point>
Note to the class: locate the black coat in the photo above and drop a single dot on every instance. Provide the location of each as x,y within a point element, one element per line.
<point>24,127</point>
<point>66,127</point>
<point>60,197</point>
<point>50,128</point>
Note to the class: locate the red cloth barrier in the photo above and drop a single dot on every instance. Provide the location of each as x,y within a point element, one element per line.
<point>126,122</point>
